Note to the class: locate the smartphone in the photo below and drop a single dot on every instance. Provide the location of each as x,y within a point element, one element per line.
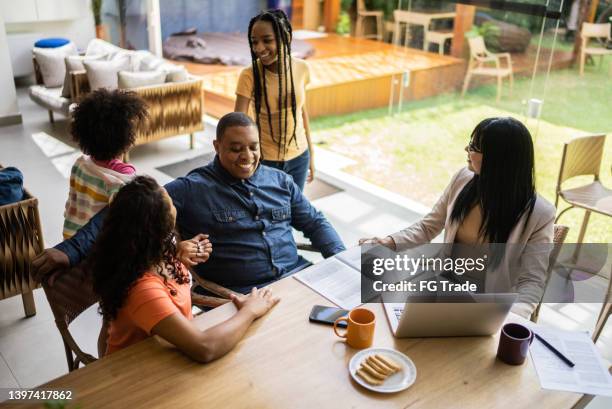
<point>327,315</point>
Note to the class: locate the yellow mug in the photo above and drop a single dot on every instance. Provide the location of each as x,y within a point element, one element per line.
<point>360,328</point>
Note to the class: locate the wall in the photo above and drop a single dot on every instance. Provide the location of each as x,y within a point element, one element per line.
<point>80,31</point>
<point>9,110</point>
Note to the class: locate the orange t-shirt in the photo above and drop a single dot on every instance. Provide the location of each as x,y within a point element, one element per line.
<point>148,302</point>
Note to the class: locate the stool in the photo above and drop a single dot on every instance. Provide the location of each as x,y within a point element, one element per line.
<point>437,37</point>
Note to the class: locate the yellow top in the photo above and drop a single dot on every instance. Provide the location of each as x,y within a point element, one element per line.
<point>269,147</point>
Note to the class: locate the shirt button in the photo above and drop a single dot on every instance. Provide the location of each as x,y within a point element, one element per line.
<point>231,219</point>
<point>274,270</point>
<point>251,194</point>
<point>256,217</point>
<point>263,233</point>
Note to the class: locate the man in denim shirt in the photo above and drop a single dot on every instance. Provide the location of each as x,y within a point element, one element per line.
<point>247,210</point>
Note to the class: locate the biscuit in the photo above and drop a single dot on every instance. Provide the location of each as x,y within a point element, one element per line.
<point>372,371</point>
<point>380,368</point>
<point>389,362</point>
<point>382,364</point>
<point>364,375</point>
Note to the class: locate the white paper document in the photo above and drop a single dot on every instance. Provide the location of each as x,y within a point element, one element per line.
<point>352,257</point>
<point>335,280</point>
<point>589,375</point>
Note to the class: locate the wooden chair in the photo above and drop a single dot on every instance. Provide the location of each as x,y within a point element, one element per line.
<point>604,314</point>
<point>590,30</point>
<point>479,56</point>
<point>362,14</point>
<point>21,238</point>
<point>71,294</point>
<point>559,235</point>
<point>582,156</point>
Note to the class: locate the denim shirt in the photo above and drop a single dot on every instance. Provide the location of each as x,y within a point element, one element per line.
<point>249,223</point>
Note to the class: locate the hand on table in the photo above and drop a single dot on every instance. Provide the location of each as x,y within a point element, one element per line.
<point>195,250</point>
<point>257,302</point>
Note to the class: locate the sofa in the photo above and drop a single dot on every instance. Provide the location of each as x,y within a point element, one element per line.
<point>174,97</point>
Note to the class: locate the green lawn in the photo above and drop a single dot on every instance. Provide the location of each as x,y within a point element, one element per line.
<point>415,152</point>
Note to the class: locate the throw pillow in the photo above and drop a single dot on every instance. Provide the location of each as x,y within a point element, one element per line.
<point>141,79</point>
<point>174,73</point>
<point>148,61</point>
<point>103,74</point>
<point>51,63</point>
<point>75,63</point>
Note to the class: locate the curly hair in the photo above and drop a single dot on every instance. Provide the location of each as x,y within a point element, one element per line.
<point>137,236</point>
<point>105,122</point>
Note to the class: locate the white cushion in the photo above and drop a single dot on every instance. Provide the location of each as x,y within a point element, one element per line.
<point>51,63</point>
<point>141,79</point>
<point>148,61</point>
<point>97,47</point>
<point>103,74</point>
<point>50,98</point>
<point>75,63</point>
<point>174,73</point>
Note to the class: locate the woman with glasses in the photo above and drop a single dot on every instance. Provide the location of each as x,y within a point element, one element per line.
<point>493,200</point>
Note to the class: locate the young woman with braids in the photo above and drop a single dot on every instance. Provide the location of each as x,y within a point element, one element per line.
<point>273,91</point>
<point>144,290</point>
<point>493,200</point>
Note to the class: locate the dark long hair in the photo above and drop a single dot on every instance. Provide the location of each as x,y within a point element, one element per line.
<point>137,236</point>
<point>505,187</point>
<point>283,34</point>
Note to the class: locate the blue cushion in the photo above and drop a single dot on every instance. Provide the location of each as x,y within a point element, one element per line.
<point>11,185</point>
<point>51,42</point>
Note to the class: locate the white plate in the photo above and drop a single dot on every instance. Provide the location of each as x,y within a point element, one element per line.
<point>396,382</point>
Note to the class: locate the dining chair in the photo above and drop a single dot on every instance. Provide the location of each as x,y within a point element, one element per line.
<point>591,30</point>
<point>362,14</point>
<point>71,294</point>
<point>21,238</point>
<point>604,314</point>
<point>479,57</point>
<point>559,235</point>
<point>582,156</point>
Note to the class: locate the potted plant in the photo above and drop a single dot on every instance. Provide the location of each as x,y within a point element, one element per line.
<point>101,29</point>
<point>344,24</point>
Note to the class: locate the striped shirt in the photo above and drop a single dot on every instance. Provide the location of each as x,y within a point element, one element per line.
<point>92,187</point>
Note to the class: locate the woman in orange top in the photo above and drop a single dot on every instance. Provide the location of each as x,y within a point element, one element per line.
<point>144,290</point>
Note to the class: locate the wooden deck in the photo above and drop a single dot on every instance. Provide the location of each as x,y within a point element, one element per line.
<point>352,74</point>
<point>347,75</point>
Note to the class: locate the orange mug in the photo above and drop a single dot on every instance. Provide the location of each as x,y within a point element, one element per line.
<point>360,328</point>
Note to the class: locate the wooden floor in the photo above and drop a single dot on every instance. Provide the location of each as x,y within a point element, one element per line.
<point>347,75</point>
<point>351,74</point>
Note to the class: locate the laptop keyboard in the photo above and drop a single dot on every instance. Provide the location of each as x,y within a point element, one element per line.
<point>398,312</point>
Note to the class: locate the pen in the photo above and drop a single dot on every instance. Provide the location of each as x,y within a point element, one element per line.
<point>555,351</point>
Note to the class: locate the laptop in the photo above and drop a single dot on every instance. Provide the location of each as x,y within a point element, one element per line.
<point>469,315</point>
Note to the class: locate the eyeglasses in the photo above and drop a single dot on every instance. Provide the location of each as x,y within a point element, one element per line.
<point>473,148</point>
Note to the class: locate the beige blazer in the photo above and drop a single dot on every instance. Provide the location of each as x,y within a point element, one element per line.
<point>523,268</point>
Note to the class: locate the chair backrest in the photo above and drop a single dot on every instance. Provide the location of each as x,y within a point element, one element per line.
<point>559,235</point>
<point>20,240</point>
<point>71,294</point>
<point>477,46</point>
<point>593,30</point>
<point>581,156</point>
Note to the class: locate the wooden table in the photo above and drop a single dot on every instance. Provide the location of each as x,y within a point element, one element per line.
<point>419,18</point>
<point>286,362</point>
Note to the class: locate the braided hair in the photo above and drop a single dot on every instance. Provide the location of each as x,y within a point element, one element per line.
<point>283,33</point>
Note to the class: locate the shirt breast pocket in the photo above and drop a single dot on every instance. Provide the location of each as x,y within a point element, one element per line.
<point>229,215</point>
<point>281,214</point>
